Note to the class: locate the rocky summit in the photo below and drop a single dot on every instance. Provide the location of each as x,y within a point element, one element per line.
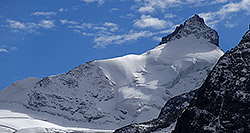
<point>195,26</point>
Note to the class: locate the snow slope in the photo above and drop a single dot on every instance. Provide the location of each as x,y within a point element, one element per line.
<point>111,93</point>
<point>167,118</point>
<point>23,123</point>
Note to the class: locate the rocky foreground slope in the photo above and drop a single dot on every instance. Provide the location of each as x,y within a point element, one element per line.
<point>108,94</point>
<point>222,103</point>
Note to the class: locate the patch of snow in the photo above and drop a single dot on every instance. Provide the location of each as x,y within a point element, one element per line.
<point>166,130</point>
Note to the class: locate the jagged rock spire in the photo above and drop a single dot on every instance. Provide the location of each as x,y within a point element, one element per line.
<point>196,26</point>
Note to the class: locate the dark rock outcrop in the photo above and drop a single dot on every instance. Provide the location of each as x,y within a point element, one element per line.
<point>222,104</point>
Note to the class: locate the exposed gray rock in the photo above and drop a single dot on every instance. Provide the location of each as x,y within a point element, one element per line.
<point>196,26</point>
<point>222,104</point>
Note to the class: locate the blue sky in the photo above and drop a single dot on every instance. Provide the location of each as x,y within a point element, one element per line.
<point>39,38</point>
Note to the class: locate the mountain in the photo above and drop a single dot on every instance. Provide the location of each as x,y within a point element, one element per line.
<point>222,103</point>
<point>107,94</point>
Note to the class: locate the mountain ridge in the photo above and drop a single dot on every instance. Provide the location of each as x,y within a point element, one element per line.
<point>108,94</point>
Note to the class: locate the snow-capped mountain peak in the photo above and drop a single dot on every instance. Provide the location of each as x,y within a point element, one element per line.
<point>115,92</point>
<point>193,26</point>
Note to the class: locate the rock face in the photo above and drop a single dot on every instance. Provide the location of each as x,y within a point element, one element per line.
<point>60,95</point>
<point>168,116</point>
<point>112,93</point>
<point>195,26</point>
<point>222,103</point>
